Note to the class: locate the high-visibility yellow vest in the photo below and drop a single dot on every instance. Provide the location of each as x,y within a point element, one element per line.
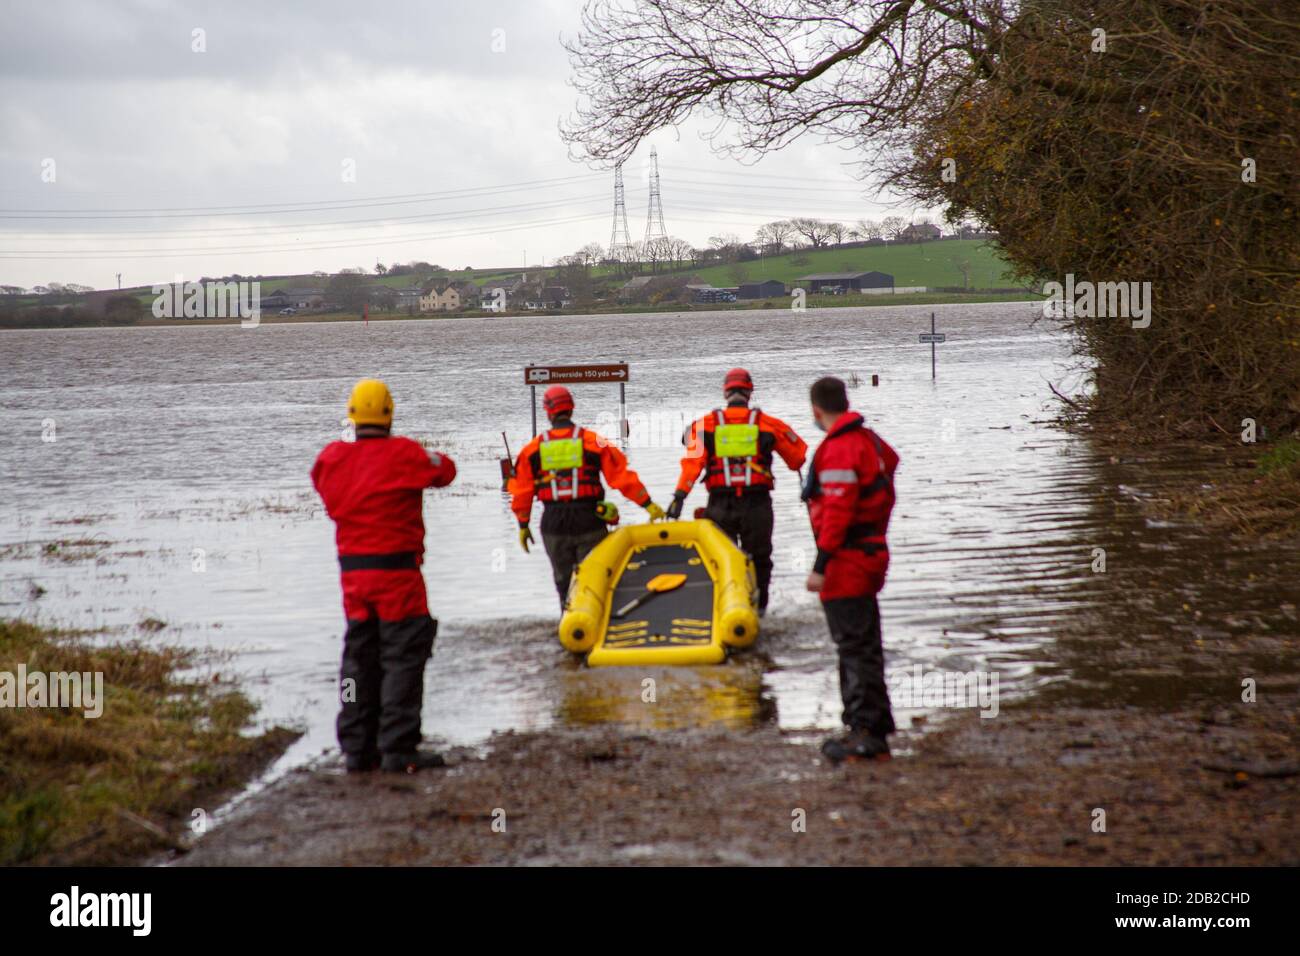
<point>737,444</point>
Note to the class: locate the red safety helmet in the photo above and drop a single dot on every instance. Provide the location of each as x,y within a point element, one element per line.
<point>556,400</point>
<point>737,378</point>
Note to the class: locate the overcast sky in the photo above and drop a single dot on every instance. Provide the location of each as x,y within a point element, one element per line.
<point>125,150</point>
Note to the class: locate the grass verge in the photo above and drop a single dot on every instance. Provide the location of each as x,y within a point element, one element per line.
<point>75,790</point>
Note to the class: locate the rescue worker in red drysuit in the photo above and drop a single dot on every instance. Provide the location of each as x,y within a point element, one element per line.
<point>740,483</point>
<point>850,494</point>
<point>373,488</point>
<point>562,468</point>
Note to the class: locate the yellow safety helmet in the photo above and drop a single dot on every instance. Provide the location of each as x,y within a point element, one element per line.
<point>370,403</point>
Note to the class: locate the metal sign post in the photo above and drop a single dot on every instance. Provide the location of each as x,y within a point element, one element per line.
<point>622,414</point>
<point>933,338</point>
<point>535,375</point>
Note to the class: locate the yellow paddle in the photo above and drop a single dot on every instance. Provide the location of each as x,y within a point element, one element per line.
<point>656,585</point>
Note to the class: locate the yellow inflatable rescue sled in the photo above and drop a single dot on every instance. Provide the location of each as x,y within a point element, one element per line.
<point>676,592</point>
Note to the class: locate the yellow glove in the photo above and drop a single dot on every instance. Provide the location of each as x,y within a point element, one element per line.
<point>656,513</point>
<point>525,537</point>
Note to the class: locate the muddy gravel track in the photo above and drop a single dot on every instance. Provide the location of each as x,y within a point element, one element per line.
<point>1208,787</point>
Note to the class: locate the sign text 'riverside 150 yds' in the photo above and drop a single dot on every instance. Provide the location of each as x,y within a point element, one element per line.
<point>574,374</point>
<point>616,372</point>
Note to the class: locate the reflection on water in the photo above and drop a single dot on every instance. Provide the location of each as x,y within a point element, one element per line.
<point>176,488</point>
<point>666,698</point>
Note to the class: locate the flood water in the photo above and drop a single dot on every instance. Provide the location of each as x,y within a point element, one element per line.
<point>162,474</point>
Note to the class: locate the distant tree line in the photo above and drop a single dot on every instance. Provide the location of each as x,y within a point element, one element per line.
<point>117,310</point>
<point>776,238</point>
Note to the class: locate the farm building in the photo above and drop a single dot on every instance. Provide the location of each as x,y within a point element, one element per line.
<point>634,288</point>
<point>295,298</point>
<point>920,232</point>
<point>847,281</point>
<point>761,290</point>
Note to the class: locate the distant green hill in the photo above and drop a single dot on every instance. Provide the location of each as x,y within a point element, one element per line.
<point>932,264</point>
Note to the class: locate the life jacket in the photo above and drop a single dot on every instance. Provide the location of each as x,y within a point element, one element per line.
<point>740,453</point>
<point>566,469</point>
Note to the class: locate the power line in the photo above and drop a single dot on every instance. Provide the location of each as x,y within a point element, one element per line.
<point>833,190</point>
<point>737,194</point>
<point>687,185</point>
<point>805,204</point>
<point>744,173</point>
<point>252,230</point>
<point>312,226</point>
<point>104,254</point>
<point>281,208</point>
<point>94,255</point>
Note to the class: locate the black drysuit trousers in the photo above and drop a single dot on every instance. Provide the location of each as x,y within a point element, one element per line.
<point>382,685</point>
<point>855,628</point>
<point>747,520</point>
<point>566,551</point>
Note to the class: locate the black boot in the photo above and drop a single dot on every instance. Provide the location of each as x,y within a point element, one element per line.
<point>412,763</point>
<point>361,763</point>
<point>856,745</point>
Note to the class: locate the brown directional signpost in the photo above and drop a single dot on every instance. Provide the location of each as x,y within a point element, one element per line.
<point>575,374</point>
<point>547,375</point>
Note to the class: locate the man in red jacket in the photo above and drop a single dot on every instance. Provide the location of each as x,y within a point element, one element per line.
<point>850,494</point>
<point>373,488</point>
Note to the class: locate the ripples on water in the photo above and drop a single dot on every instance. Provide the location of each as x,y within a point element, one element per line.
<point>173,442</point>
